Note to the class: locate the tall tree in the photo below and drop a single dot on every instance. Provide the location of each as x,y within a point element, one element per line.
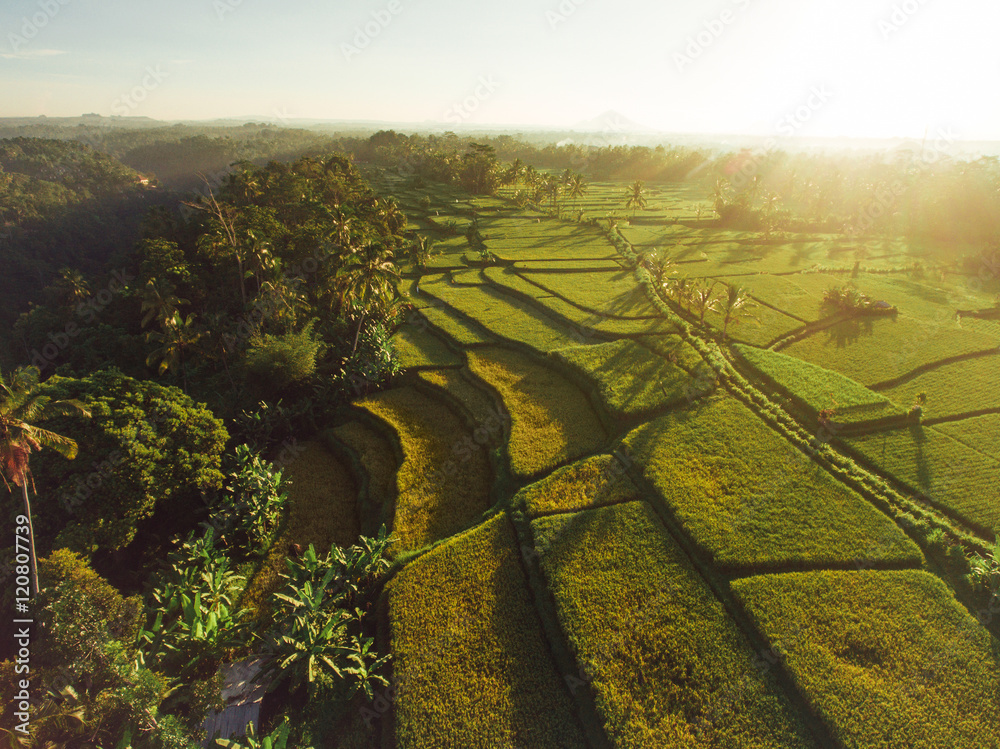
<point>21,405</point>
<point>179,336</point>
<point>702,301</point>
<point>736,305</point>
<point>367,283</point>
<point>577,187</point>
<point>635,197</point>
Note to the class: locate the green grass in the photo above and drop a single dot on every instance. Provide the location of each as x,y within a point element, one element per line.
<point>505,316</point>
<point>416,347</point>
<point>957,388</point>
<point>875,350</point>
<point>762,327</point>
<point>631,379</point>
<point>668,666</point>
<point>613,293</point>
<point>953,476</point>
<point>544,238</point>
<point>815,388</point>
<point>458,383</point>
<point>751,500</point>
<point>980,433</point>
<point>444,482</point>
<point>551,420</point>
<point>581,320</point>
<point>377,458</point>
<point>592,482</point>
<point>470,663</point>
<point>886,658</point>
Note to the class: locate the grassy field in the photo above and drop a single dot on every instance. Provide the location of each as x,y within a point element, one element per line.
<point>815,388</point>
<point>979,432</point>
<point>667,665</point>
<point>377,458</point>
<point>583,322</point>
<point>322,511</point>
<point>416,347</point>
<point>631,379</point>
<point>444,482</point>
<point>875,350</point>
<point>954,476</point>
<point>958,388</point>
<point>592,482</point>
<point>614,293</point>
<point>551,420</point>
<point>470,663</point>
<point>505,316</point>
<point>886,658</point>
<point>751,500</point>
<point>458,383</point>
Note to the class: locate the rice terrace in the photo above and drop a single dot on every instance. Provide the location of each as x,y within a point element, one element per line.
<point>380,425</point>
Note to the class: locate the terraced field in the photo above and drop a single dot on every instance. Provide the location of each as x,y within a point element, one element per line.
<point>896,642</point>
<point>469,657</point>
<point>751,501</point>
<point>667,666</point>
<point>440,488</point>
<point>654,562</point>
<point>551,420</point>
<point>631,379</point>
<point>960,478</point>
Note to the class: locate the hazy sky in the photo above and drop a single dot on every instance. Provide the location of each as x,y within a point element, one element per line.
<point>808,67</point>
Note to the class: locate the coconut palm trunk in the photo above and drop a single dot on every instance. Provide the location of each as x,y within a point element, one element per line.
<point>31,538</point>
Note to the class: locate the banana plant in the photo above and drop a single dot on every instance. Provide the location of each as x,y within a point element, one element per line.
<point>277,739</point>
<point>191,609</point>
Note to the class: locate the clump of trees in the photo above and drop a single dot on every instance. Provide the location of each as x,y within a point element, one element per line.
<point>849,300</point>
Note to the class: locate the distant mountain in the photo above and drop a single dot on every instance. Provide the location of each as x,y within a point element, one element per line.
<point>611,121</point>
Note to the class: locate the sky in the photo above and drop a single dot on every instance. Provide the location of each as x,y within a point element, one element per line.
<point>816,68</point>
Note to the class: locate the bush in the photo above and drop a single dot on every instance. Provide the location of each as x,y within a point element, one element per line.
<point>275,362</point>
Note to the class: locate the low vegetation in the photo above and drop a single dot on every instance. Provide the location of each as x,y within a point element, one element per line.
<point>551,419</point>
<point>631,379</point>
<point>469,659</point>
<point>444,482</point>
<point>867,648</point>
<point>752,501</point>
<point>666,663</point>
<point>592,482</point>
<point>817,390</point>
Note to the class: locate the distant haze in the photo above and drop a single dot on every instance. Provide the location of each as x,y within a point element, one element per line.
<point>770,68</point>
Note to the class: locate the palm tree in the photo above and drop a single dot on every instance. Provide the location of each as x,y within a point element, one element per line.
<point>179,335</point>
<point>662,265</point>
<point>159,302</point>
<point>702,301</point>
<point>421,251</point>
<point>366,281</point>
<point>635,197</point>
<point>577,187</point>
<point>20,406</point>
<point>736,305</point>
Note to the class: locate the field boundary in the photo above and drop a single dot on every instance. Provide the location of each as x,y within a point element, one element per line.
<point>931,366</point>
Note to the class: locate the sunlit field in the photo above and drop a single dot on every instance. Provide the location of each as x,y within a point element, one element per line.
<point>523,375</point>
